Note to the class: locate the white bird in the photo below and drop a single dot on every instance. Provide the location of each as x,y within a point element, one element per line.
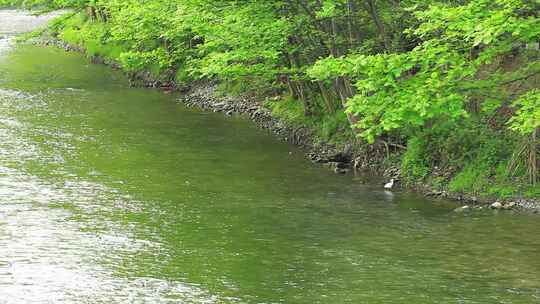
<point>389,185</point>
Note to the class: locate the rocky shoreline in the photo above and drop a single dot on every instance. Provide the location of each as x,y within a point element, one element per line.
<point>203,95</point>
<point>341,160</point>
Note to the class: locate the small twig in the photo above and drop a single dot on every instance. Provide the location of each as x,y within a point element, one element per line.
<point>393,144</point>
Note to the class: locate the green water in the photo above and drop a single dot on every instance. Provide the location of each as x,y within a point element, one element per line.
<point>110,194</point>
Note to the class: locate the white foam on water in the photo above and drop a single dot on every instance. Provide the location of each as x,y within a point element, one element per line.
<point>15,21</point>
<point>46,257</point>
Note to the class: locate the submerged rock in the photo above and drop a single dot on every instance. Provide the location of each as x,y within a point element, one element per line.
<point>340,157</point>
<point>340,171</point>
<point>462,209</point>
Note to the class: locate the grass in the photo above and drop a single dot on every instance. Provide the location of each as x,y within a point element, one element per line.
<point>91,36</point>
<point>333,128</point>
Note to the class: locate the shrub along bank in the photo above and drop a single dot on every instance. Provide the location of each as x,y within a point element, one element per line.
<point>449,91</point>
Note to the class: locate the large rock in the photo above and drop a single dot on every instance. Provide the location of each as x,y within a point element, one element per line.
<point>496,205</point>
<point>342,157</point>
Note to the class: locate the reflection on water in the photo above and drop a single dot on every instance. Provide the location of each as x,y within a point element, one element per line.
<point>118,195</point>
<point>53,245</point>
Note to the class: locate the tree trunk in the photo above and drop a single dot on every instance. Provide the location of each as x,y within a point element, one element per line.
<point>533,157</point>
<point>372,8</point>
<point>327,97</point>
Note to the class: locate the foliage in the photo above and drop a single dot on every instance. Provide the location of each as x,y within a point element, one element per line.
<point>527,118</point>
<point>327,127</point>
<point>436,80</point>
<point>415,166</point>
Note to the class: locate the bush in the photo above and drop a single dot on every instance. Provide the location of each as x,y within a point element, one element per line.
<point>416,162</point>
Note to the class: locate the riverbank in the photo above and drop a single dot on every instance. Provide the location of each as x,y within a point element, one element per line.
<point>342,157</point>
<point>336,149</point>
<point>345,158</point>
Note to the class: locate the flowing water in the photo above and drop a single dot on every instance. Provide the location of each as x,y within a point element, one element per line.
<point>110,194</point>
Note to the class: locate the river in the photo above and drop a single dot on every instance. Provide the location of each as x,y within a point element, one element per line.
<point>110,194</point>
